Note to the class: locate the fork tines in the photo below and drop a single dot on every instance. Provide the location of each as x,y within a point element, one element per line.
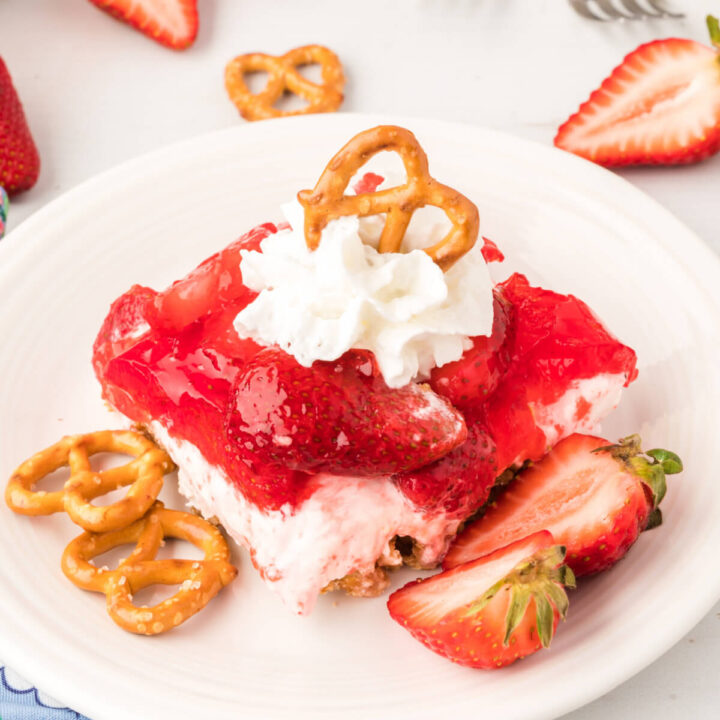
<point>622,9</point>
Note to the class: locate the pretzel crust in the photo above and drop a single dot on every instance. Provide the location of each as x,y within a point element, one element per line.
<point>144,475</point>
<point>284,77</point>
<point>200,580</point>
<point>327,201</point>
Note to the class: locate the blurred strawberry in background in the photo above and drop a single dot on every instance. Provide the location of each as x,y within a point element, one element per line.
<point>173,23</point>
<point>19,159</point>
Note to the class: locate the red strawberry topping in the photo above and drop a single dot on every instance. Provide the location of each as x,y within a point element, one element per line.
<point>267,421</point>
<point>661,105</point>
<point>173,23</point>
<point>556,341</point>
<point>595,499</point>
<point>460,482</point>
<point>337,417</point>
<point>468,382</point>
<point>491,252</point>
<point>19,159</point>
<point>492,611</point>
<point>215,283</point>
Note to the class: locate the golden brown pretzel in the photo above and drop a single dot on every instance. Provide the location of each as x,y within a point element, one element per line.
<point>283,76</point>
<point>328,200</point>
<point>200,580</point>
<point>144,474</point>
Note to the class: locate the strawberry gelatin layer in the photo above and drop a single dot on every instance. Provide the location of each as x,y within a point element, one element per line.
<point>173,362</point>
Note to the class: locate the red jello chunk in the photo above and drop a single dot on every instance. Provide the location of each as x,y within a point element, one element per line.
<point>215,283</point>
<point>175,357</point>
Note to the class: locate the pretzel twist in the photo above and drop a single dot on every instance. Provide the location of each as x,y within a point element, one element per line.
<point>200,580</point>
<point>284,77</point>
<point>144,475</point>
<point>327,201</point>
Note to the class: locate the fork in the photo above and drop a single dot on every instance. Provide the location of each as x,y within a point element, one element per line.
<point>622,9</point>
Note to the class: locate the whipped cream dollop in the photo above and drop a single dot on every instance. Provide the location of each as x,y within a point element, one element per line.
<point>318,304</point>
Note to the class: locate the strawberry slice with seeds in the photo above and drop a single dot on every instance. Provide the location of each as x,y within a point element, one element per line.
<point>19,159</point>
<point>460,482</point>
<point>173,23</point>
<point>337,417</point>
<point>661,105</point>
<point>593,497</point>
<point>491,611</point>
<point>468,382</point>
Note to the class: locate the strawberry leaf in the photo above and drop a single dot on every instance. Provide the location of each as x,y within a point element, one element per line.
<point>654,519</point>
<point>714,29</point>
<point>516,611</point>
<point>670,462</point>
<point>544,617</point>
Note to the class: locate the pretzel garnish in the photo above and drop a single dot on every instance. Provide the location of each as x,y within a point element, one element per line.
<point>284,77</point>
<point>328,200</point>
<point>144,475</point>
<point>200,580</point>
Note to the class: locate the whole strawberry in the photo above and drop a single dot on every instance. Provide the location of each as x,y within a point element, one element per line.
<point>19,159</point>
<point>660,106</point>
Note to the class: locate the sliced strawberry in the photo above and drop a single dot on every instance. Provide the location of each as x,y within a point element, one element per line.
<point>492,611</point>
<point>19,159</point>
<point>337,417</point>
<point>215,283</point>
<point>173,23</point>
<point>661,105</point>
<point>459,482</point>
<point>595,499</point>
<point>468,382</point>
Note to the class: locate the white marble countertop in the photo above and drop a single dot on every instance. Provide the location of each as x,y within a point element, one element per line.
<point>97,93</point>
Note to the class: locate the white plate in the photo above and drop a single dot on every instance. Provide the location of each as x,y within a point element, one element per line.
<point>570,225</point>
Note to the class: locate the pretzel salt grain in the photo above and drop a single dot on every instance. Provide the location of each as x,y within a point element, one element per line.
<point>283,76</point>
<point>144,475</point>
<point>328,200</point>
<point>199,580</point>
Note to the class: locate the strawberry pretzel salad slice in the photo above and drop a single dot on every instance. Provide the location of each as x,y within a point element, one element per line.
<point>342,400</point>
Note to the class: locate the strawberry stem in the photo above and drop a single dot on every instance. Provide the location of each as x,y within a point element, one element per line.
<point>542,577</point>
<point>651,467</point>
<point>714,28</point>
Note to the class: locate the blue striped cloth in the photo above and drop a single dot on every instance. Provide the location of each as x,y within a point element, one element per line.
<point>3,210</point>
<point>19,700</point>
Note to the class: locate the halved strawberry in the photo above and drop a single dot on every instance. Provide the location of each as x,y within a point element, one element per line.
<point>173,23</point>
<point>661,105</point>
<point>594,498</point>
<point>19,159</point>
<point>492,611</point>
<point>337,417</point>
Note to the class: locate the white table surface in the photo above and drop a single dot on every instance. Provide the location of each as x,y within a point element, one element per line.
<point>97,93</point>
